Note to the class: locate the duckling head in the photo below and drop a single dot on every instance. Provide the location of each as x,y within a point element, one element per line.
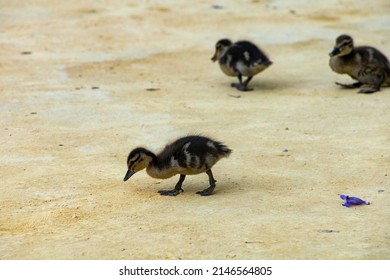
<point>344,45</point>
<point>137,160</point>
<point>220,48</point>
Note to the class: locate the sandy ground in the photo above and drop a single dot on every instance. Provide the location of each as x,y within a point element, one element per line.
<point>84,82</point>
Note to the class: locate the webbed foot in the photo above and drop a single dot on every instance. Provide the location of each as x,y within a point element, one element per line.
<point>173,192</point>
<point>354,85</point>
<point>177,188</point>
<point>240,87</point>
<point>368,90</point>
<point>206,192</point>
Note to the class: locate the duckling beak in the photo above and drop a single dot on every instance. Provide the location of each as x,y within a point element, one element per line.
<point>214,58</point>
<point>129,173</point>
<point>335,51</point>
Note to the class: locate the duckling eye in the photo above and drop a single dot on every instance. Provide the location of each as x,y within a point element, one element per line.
<point>132,162</point>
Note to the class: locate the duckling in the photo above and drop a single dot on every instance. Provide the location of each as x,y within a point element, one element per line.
<point>242,58</point>
<point>188,155</point>
<point>365,64</point>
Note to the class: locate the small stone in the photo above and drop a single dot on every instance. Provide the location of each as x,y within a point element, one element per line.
<point>217,7</point>
<point>328,231</point>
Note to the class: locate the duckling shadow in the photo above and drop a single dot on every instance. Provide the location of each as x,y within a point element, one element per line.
<point>227,187</point>
<point>222,188</point>
<point>272,85</point>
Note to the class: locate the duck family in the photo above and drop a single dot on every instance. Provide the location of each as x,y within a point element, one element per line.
<point>194,154</point>
<point>188,155</point>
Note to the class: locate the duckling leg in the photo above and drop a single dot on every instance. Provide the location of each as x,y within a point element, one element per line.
<point>372,83</point>
<point>368,89</point>
<point>242,86</point>
<point>236,85</point>
<point>354,85</point>
<point>209,190</point>
<point>177,188</point>
<point>245,84</point>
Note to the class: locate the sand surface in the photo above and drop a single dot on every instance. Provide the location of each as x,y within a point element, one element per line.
<point>84,82</point>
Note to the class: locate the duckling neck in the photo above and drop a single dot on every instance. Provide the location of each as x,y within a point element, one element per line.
<point>157,170</point>
<point>344,64</point>
<point>350,56</point>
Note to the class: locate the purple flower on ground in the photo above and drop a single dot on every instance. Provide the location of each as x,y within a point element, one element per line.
<point>350,200</point>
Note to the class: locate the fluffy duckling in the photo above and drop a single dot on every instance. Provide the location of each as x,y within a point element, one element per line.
<point>189,155</point>
<point>242,58</point>
<point>365,64</point>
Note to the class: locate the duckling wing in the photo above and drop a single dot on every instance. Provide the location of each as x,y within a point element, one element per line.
<point>372,60</point>
<point>245,58</point>
<point>250,54</point>
<point>202,153</point>
<point>193,154</point>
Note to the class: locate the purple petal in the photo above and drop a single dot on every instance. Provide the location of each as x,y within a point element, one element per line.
<point>343,197</point>
<point>355,201</point>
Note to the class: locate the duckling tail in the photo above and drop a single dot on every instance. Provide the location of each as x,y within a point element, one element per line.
<point>387,75</point>
<point>224,150</point>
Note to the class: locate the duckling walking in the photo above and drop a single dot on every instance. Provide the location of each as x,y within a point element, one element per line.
<point>365,64</point>
<point>240,59</point>
<point>189,155</point>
